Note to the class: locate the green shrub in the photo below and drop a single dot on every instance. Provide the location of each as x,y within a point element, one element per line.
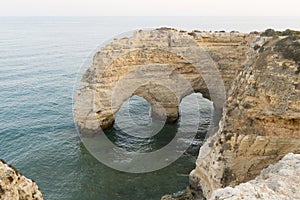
<point>269,33</point>
<point>289,47</point>
<point>288,32</point>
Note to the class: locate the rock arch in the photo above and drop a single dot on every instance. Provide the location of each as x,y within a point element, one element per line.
<point>159,65</point>
<point>260,122</point>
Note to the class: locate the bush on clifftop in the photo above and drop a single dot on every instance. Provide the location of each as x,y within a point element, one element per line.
<point>272,33</point>
<point>289,47</point>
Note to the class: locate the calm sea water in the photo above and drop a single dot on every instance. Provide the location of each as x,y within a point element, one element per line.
<point>39,60</point>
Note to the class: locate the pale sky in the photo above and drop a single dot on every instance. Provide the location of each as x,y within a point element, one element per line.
<point>149,8</point>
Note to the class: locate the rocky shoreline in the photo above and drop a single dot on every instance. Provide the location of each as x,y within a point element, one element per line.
<point>260,123</point>
<point>278,181</point>
<point>13,185</point>
<point>260,120</point>
<point>251,154</point>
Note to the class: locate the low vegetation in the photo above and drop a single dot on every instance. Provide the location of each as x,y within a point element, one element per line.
<point>289,46</point>
<point>287,32</point>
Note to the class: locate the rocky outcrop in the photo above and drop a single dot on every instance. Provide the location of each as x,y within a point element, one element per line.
<point>260,84</point>
<point>13,185</point>
<point>162,66</point>
<point>279,181</point>
<point>261,121</point>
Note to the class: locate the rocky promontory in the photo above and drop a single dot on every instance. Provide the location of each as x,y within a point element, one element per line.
<point>259,95</point>
<point>13,185</point>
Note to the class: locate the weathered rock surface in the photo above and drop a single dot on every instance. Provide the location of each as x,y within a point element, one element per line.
<point>162,66</point>
<point>261,116</point>
<point>13,185</point>
<point>277,182</point>
<point>260,124</point>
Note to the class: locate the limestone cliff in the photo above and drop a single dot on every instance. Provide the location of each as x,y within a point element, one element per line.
<point>13,185</point>
<point>261,121</point>
<point>279,181</point>
<point>261,116</point>
<point>158,65</point>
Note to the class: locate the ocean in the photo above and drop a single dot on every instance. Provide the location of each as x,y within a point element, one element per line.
<point>40,58</point>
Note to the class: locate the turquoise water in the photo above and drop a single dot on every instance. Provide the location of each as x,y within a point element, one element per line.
<point>39,60</point>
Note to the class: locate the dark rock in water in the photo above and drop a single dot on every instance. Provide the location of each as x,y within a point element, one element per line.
<point>186,194</point>
<point>193,150</point>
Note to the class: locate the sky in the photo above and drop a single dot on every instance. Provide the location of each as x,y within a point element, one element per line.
<point>149,8</point>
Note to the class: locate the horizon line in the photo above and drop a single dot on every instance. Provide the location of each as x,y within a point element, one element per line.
<point>147,16</point>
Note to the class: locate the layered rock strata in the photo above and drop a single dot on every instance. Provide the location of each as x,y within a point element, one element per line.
<point>261,115</point>
<point>260,124</point>
<point>162,66</point>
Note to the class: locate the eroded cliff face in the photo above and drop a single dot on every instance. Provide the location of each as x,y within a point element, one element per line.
<point>228,50</point>
<point>260,124</point>
<point>261,116</point>
<point>13,185</point>
<point>279,181</point>
<point>162,66</point>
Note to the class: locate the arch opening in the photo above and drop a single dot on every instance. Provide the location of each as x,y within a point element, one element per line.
<point>136,129</point>
<point>136,119</point>
<point>204,106</point>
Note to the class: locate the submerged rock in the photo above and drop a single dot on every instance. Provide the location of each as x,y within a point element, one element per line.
<point>13,185</point>
<point>186,194</point>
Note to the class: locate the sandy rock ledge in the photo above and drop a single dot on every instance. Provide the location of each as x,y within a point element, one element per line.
<point>279,181</point>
